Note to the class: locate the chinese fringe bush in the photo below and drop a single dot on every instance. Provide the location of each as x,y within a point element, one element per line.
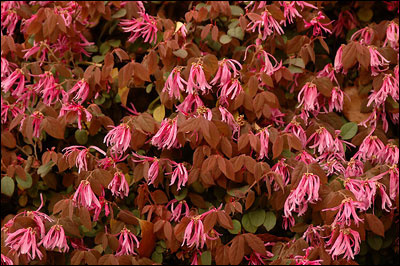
<point>217,132</point>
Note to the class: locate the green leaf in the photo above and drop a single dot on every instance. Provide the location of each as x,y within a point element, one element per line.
<point>7,186</point>
<point>181,195</point>
<point>270,221</point>
<point>104,48</point>
<point>236,11</point>
<point>236,32</point>
<point>180,53</point>
<point>45,169</point>
<point>92,48</point>
<point>294,69</point>
<point>81,136</point>
<point>100,100</point>
<point>257,217</point>
<point>348,130</point>
<point>149,88</point>
<point>98,58</point>
<point>295,61</point>
<point>247,224</point>
<point>206,258</point>
<point>120,13</point>
<point>365,14</point>
<point>114,43</point>
<point>375,242</point>
<point>224,39</point>
<point>236,227</point>
<point>157,257</point>
<point>24,184</point>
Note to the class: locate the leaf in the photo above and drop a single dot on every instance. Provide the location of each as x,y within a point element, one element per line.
<point>206,258</point>
<point>270,221</point>
<point>180,53</point>
<point>236,250</point>
<point>224,220</point>
<point>348,130</point>
<point>236,32</point>
<point>148,241</point>
<point>277,147</point>
<point>236,227</point>
<point>236,10</point>
<point>256,244</point>
<point>85,218</point>
<point>257,217</point>
<point>375,242</point>
<point>159,113</point>
<point>24,184</point>
<point>7,186</point>
<point>53,127</point>
<point>247,225</point>
<point>375,224</point>
<point>365,14</point>
<point>224,39</point>
<point>8,139</point>
<point>45,169</point>
<point>119,14</point>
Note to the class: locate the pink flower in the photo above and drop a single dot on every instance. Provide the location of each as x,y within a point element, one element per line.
<point>263,134</point>
<point>103,202</point>
<point>330,163</point>
<point>354,168</point>
<point>336,100</point>
<point>195,259</point>
<point>197,79</point>
<point>175,83</point>
<point>296,129</point>
<point>191,103</point>
<point>389,87</point>
<point>111,161</point>
<point>23,241</point>
<point>308,96</point>
<point>228,118</point>
<point>346,20</point>
<point>268,23</point>
<point>377,60</point>
<point>232,89</point>
<point>6,260</point>
<point>386,204</point>
<point>194,232</point>
<point>81,91</point>
<point>346,212</point>
<point>338,64</point>
<point>8,82</point>
<point>152,173</point>
<point>81,158</point>
<point>267,66</point>
<point>9,17</point>
<point>37,47</point>
<point>392,35</point>
<point>118,185</point>
<point>312,235</point>
<point>370,148</point>
<point>179,173</point>
<point>258,259</point>
<point>127,243</point>
<point>322,139</point>
<point>303,260</point>
<point>81,112</point>
<point>282,169</point>
<point>305,157</point>
<point>55,238</point>
<point>289,12</point>
<point>84,196</point>
<point>177,211</point>
<point>317,25</point>
<point>390,154</point>
<point>205,112</point>
<point>347,240</point>
<point>37,118</point>
<point>394,181</point>
<point>329,72</point>
<point>366,35</point>
<point>145,27</point>
<point>224,74</point>
<point>6,67</point>
<point>119,138</point>
<point>166,137</point>
<point>305,192</point>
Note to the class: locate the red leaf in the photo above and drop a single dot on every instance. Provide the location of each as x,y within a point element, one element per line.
<point>236,250</point>
<point>256,244</point>
<point>375,224</point>
<point>148,241</point>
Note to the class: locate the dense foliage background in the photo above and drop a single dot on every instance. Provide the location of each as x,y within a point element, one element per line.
<point>217,132</point>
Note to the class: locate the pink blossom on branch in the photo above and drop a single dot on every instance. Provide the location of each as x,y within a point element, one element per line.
<point>23,241</point>
<point>175,83</point>
<point>55,239</point>
<point>347,243</point>
<point>119,138</point>
<point>118,185</point>
<point>127,243</point>
<point>145,27</point>
<point>166,137</point>
<point>84,196</point>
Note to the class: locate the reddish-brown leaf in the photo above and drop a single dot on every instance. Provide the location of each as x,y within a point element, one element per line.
<point>375,224</point>
<point>236,250</point>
